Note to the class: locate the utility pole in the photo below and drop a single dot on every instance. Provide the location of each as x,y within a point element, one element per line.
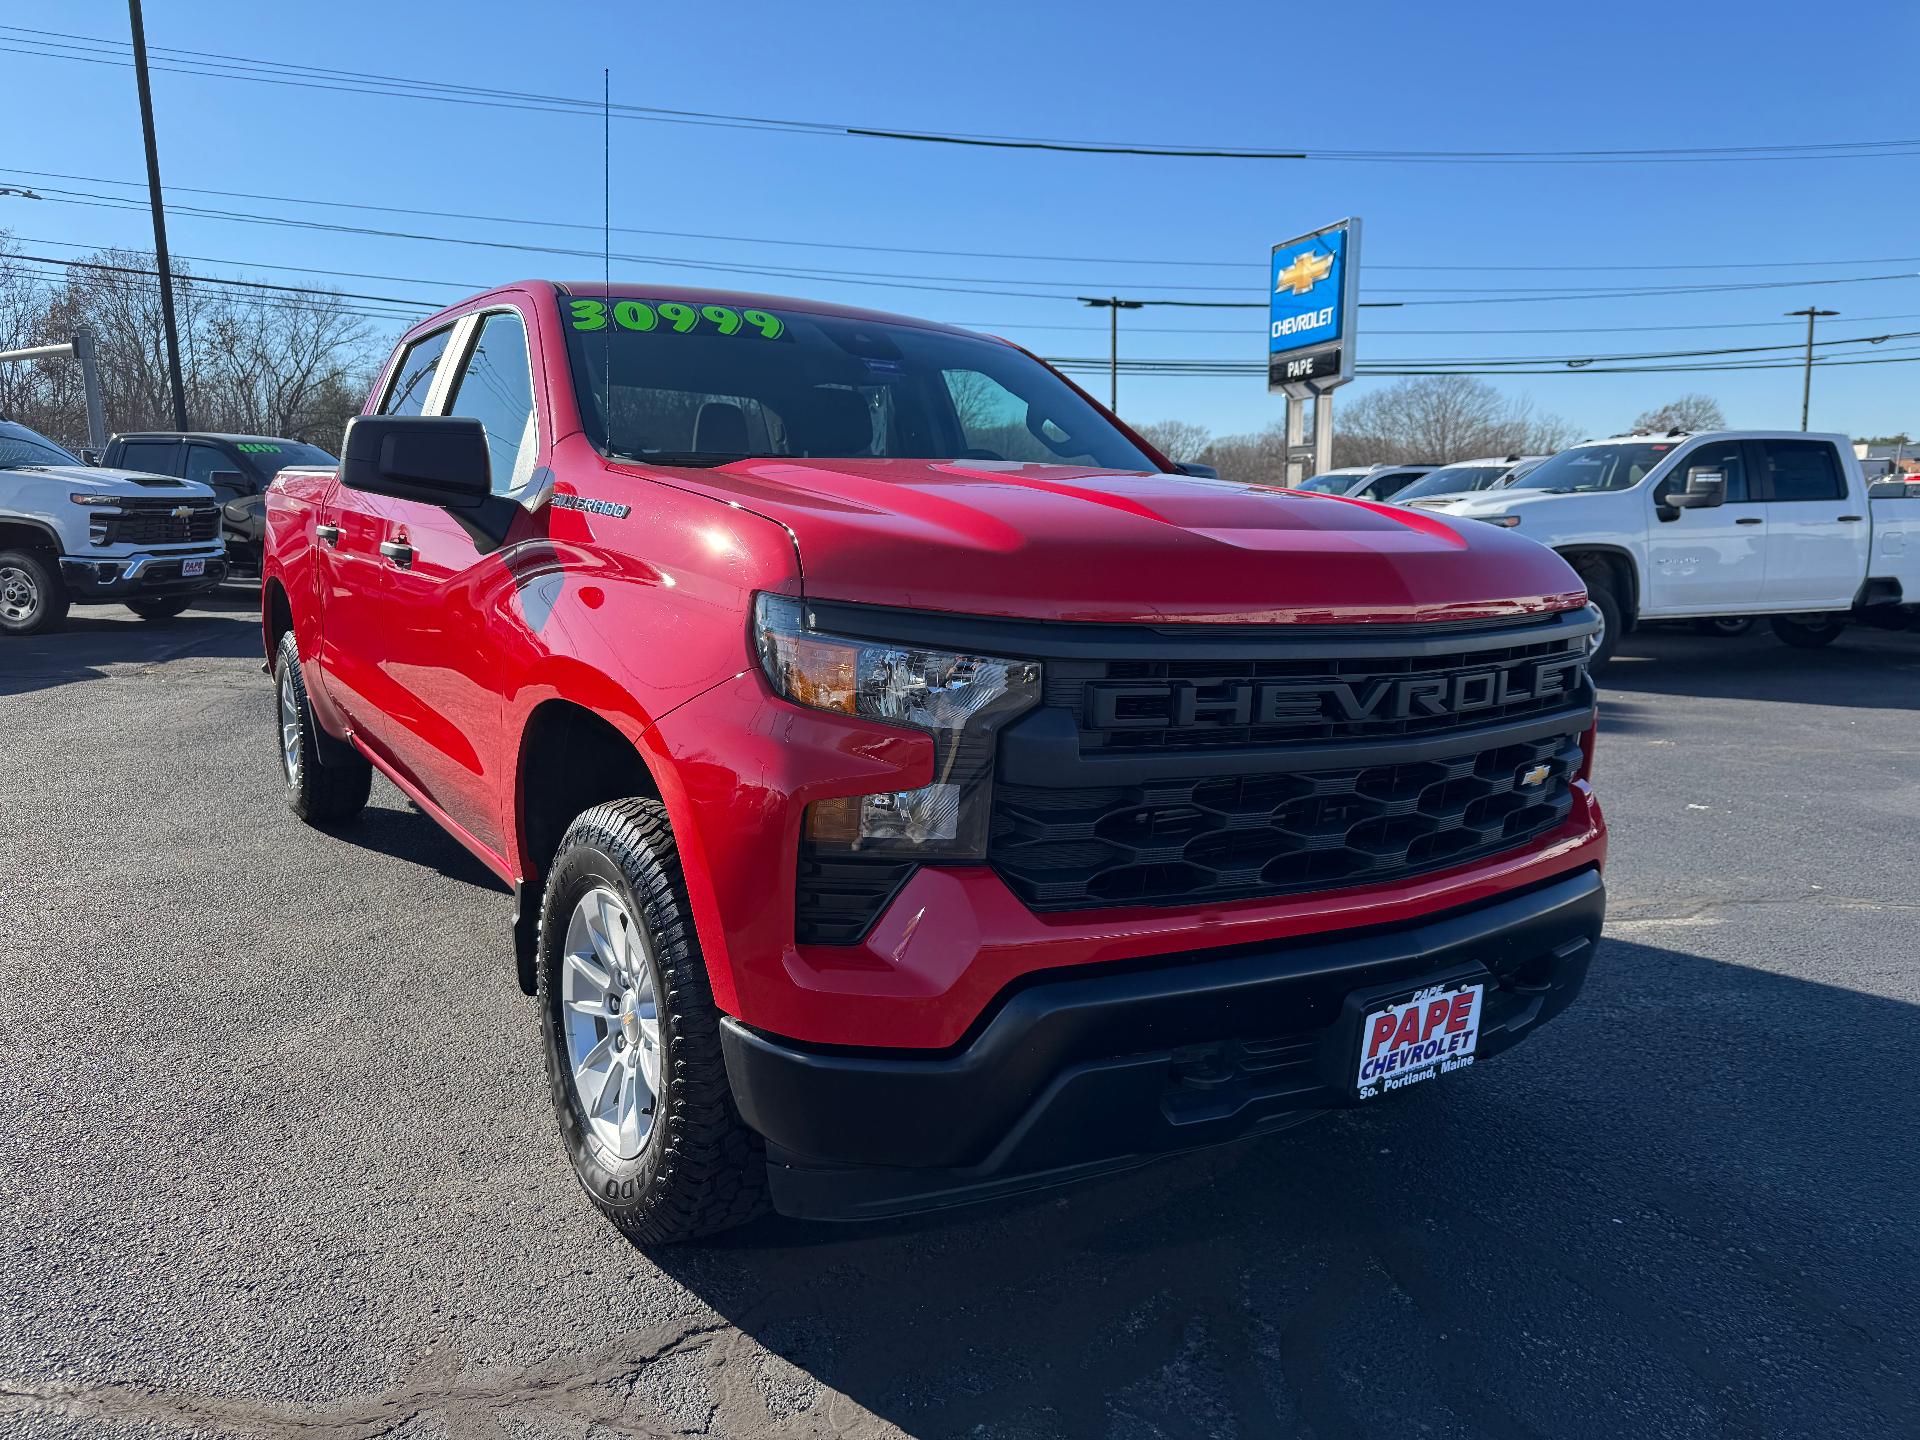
<point>161,261</point>
<point>1113,304</point>
<point>1806,383</point>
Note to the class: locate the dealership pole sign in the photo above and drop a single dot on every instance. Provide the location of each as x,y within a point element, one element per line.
<point>1313,290</point>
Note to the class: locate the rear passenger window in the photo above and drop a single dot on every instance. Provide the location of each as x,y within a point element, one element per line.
<point>496,389</point>
<point>1802,470</point>
<point>413,378</point>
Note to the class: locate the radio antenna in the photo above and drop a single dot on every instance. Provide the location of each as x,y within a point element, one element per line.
<point>606,256</point>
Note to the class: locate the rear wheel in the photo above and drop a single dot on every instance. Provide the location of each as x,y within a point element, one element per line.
<point>159,607</point>
<point>32,597</point>
<point>1809,633</point>
<point>632,1036</point>
<point>1724,627</point>
<point>318,792</point>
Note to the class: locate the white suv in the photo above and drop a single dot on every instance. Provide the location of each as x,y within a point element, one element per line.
<point>72,533</point>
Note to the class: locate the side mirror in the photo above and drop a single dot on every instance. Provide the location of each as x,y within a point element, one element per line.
<point>229,480</point>
<point>1194,467</point>
<point>440,460</point>
<point>1706,488</point>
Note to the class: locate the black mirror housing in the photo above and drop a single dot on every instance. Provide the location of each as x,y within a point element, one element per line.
<point>1194,467</point>
<point>440,460</point>
<point>1706,488</point>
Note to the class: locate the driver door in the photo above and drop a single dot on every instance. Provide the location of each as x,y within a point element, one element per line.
<point>1700,562</point>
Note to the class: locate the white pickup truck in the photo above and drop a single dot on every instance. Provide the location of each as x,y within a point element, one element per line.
<point>1723,523</point>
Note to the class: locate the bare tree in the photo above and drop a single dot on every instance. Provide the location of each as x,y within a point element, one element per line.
<point>1686,412</point>
<point>1438,419</point>
<point>1178,440</point>
<point>1256,459</point>
<point>268,364</point>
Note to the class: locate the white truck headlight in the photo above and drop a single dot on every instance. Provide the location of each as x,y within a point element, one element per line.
<point>961,700</point>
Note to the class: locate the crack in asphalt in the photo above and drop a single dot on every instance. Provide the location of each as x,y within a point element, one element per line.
<point>579,1388</point>
<point>1698,907</point>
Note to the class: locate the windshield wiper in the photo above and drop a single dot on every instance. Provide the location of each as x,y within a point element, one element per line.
<point>692,459</point>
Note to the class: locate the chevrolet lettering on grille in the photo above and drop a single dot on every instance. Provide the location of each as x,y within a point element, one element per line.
<point>1147,705</point>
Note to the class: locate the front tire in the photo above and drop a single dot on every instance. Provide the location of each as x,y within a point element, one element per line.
<point>1808,634</point>
<point>632,1036</point>
<point>1612,621</point>
<point>32,596</point>
<point>319,793</point>
<point>160,607</point>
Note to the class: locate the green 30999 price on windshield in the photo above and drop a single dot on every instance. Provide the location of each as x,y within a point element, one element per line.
<point>673,317</point>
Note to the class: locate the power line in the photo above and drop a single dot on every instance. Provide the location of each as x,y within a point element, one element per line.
<point>66,45</point>
<point>1430,364</point>
<point>522,221</point>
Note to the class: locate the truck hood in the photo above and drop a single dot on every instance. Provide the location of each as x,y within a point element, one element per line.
<point>100,481</point>
<point>1489,502</point>
<point>1065,543</point>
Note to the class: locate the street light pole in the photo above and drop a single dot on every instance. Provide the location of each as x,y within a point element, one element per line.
<point>160,258</point>
<point>1806,382</point>
<point>1114,305</point>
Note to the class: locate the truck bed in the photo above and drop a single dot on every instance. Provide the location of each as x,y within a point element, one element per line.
<point>1896,542</point>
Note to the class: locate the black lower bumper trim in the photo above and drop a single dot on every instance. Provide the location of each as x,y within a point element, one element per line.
<point>1095,1072</point>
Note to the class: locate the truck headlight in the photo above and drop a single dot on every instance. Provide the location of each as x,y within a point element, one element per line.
<point>960,700</point>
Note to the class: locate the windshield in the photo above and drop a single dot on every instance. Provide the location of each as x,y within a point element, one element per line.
<point>269,457</point>
<point>1331,483</point>
<point>705,384</point>
<point>17,452</point>
<point>1386,485</point>
<point>1452,479</point>
<point>1595,467</point>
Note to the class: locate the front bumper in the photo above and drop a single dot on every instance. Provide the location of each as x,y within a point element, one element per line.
<point>121,576</point>
<point>1081,1073</point>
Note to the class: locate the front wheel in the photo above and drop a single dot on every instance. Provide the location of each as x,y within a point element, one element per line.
<point>32,597</point>
<point>160,607</point>
<point>1810,633</point>
<point>632,1036</point>
<point>1601,643</point>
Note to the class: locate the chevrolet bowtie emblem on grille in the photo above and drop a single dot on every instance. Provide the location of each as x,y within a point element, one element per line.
<point>183,512</point>
<point>1537,775</point>
<point>1306,271</point>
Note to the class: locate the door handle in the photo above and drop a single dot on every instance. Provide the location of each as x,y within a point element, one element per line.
<point>1850,517</point>
<point>1748,520</point>
<point>328,533</point>
<point>399,552</point>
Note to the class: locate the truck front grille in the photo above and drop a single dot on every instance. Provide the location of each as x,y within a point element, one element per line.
<point>1176,705</point>
<point>158,522</point>
<point>1233,837</point>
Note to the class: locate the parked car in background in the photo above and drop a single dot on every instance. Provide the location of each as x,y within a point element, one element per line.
<point>1721,525</point>
<point>75,533</point>
<point>1365,482</point>
<point>237,468</point>
<point>1438,489</point>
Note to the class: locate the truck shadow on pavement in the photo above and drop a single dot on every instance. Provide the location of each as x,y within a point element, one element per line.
<point>98,642</point>
<point>1864,668</point>
<point>1684,1208</point>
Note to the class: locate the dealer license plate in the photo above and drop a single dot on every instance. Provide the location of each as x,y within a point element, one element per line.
<point>1429,1035</point>
<point>191,568</point>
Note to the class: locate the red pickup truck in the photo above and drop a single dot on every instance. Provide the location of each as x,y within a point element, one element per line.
<point>914,787</point>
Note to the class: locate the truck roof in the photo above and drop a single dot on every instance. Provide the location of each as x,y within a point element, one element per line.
<point>1678,435</point>
<point>738,299</point>
<point>204,435</point>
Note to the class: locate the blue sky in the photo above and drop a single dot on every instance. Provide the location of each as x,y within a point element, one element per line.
<point>1356,76</point>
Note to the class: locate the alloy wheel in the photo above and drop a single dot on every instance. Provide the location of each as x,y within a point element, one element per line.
<point>612,1018</point>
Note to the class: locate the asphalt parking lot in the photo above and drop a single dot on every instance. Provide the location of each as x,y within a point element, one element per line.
<point>277,1158</point>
